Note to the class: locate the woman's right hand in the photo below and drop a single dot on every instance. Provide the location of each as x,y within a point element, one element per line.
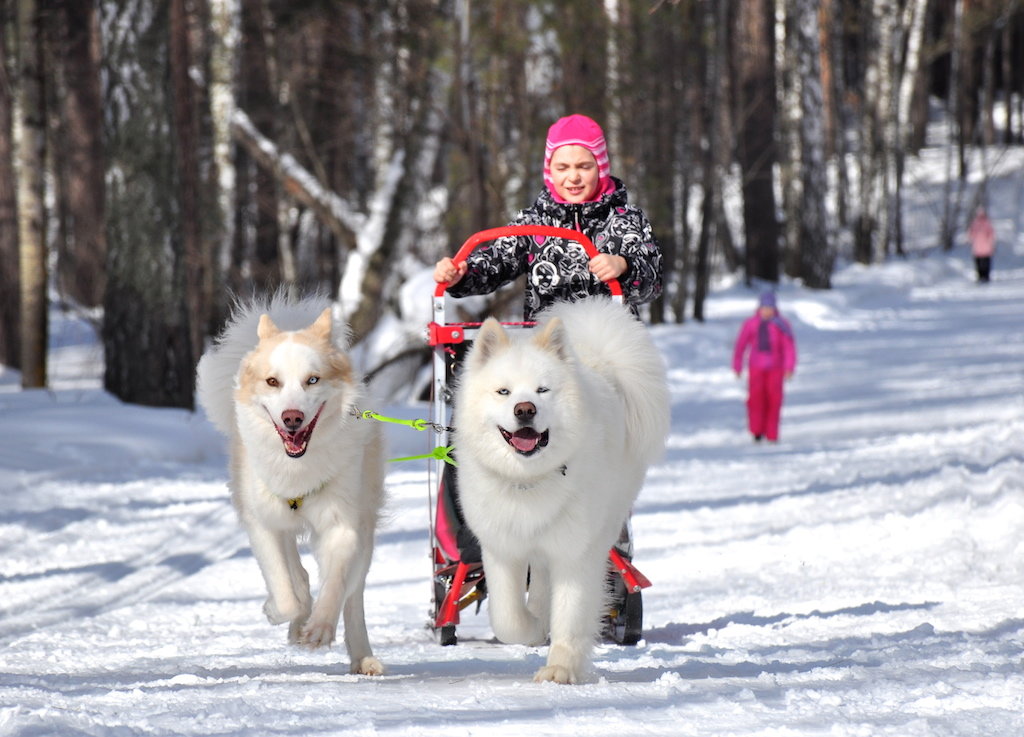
<point>447,272</point>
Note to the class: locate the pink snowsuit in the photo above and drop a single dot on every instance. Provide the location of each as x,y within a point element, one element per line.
<point>982,235</point>
<point>767,370</point>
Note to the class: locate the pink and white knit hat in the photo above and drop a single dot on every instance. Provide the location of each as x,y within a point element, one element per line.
<point>580,131</point>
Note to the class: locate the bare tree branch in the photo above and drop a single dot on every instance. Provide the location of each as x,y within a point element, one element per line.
<point>332,210</point>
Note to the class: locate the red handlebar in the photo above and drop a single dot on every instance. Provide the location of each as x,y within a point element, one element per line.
<point>546,230</point>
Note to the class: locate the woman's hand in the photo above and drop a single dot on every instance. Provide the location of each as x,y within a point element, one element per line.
<point>607,266</point>
<point>447,272</point>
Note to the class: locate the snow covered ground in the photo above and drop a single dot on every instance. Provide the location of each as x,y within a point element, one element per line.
<point>864,577</point>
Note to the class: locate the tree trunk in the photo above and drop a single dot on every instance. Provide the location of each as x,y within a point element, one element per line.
<point>912,28</point>
<point>815,245</point>
<point>31,195</point>
<point>714,23</point>
<point>186,146</point>
<point>951,210</point>
<point>10,282</point>
<point>146,336</point>
<point>225,30</point>
<point>258,198</point>
<point>838,107</point>
<point>756,151</point>
<point>83,254</point>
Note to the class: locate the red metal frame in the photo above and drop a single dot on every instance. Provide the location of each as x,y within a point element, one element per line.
<point>545,230</point>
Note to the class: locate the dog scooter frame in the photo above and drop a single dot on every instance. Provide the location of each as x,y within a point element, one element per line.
<point>458,584</point>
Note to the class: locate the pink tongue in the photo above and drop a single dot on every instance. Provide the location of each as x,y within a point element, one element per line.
<point>524,443</point>
<point>293,442</point>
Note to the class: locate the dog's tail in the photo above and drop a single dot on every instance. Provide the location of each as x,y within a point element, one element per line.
<point>612,341</point>
<point>217,371</point>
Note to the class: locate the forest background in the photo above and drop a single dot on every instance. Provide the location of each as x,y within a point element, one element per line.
<point>159,157</point>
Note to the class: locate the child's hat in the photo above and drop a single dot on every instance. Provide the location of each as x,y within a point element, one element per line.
<point>577,130</point>
<point>767,299</point>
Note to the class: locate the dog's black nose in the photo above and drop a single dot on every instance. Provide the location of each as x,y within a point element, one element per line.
<point>292,419</point>
<point>525,411</point>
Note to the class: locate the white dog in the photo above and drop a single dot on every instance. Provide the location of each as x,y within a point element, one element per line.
<point>301,462</point>
<point>554,434</point>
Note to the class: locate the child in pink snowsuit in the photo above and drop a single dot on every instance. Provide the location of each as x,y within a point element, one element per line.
<point>768,338</point>
<point>983,243</point>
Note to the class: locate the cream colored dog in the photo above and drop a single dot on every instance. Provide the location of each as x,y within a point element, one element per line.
<point>280,385</point>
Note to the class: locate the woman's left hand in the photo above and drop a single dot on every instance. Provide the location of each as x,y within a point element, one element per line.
<point>607,266</point>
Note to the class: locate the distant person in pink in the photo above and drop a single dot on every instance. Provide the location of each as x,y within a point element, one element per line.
<point>983,243</point>
<point>766,339</point>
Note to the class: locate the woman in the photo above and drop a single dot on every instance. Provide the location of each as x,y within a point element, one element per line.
<point>767,340</point>
<point>579,193</point>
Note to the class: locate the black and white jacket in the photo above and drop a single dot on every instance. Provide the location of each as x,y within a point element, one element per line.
<point>555,268</point>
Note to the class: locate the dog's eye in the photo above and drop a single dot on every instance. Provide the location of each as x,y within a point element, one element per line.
<point>504,392</point>
<point>542,390</point>
<point>271,381</point>
<point>312,379</point>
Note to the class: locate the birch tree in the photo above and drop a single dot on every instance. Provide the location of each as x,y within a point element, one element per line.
<point>225,20</point>
<point>912,26</point>
<point>872,237</point>
<point>31,141</point>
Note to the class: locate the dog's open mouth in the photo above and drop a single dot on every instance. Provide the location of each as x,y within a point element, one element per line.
<point>526,440</point>
<point>295,443</point>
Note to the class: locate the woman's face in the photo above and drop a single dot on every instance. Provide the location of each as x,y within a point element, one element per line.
<point>574,173</point>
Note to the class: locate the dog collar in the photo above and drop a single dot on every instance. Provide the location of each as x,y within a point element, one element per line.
<point>295,503</point>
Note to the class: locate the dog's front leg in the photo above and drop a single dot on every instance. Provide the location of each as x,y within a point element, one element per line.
<point>357,641</point>
<point>511,621</point>
<point>287,582</point>
<point>339,559</point>
<point>576,596</point>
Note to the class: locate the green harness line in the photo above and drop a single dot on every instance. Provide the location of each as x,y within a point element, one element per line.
<point>441,453</point>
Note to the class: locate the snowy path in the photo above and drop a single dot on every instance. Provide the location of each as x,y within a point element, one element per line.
<point>864,577</point>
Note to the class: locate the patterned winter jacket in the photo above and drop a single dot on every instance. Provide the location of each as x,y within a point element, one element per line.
<point>556,268</point>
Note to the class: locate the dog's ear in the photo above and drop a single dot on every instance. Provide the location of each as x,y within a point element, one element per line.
<point>266,328</point>
<point>554,339</point>
<point>340,367</point>
<point>490,340</point>
<point>321,328</point>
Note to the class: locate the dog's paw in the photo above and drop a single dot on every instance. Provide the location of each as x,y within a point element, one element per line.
<point>317,634</point>
<point>555,674</point>
<point>280,614</point>
<point>295,631</point>
<point>368,666</point>
<point>566,664</point>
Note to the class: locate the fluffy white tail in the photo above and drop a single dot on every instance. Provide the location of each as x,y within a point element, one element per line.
<point>614,343</point>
